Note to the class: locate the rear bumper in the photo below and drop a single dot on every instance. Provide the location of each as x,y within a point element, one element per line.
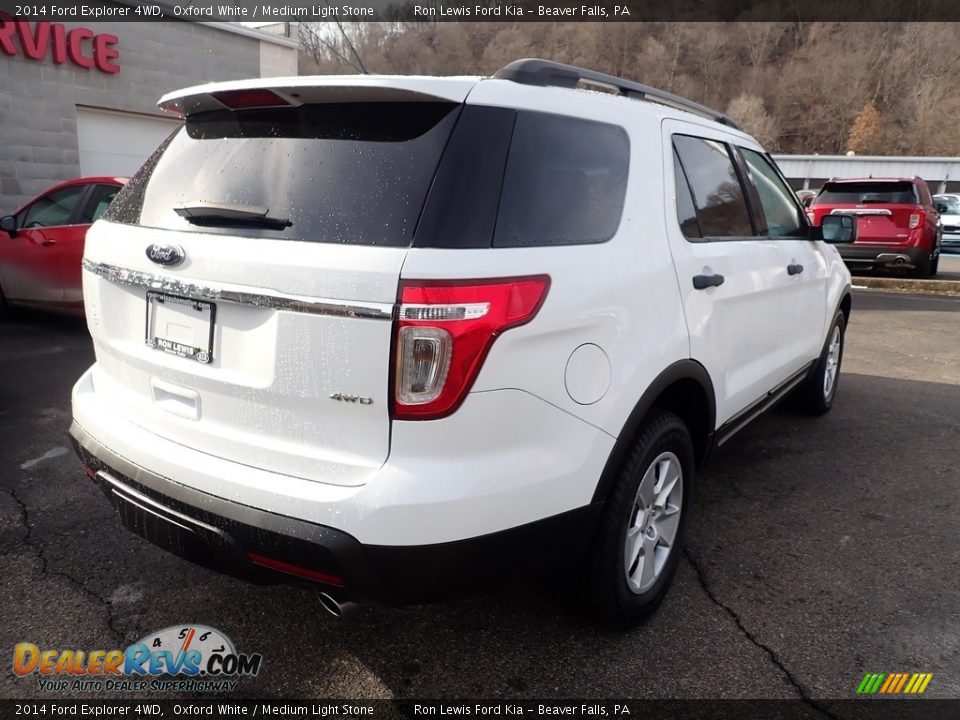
<point>881,256</point>
<point>266,547</point>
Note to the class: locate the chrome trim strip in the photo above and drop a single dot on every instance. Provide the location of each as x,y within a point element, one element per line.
<point>860,211</point>
<point>240,294</point>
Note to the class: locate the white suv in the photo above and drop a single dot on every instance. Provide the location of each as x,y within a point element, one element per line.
<point>400,335</point>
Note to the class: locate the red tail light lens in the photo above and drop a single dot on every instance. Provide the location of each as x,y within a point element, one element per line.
<point>254,98</point>
<point>444,331</point>
<point>290,569</point>
<point>915,219</point>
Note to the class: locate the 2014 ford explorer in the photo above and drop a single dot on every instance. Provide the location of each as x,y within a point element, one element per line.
<point>400,335</point>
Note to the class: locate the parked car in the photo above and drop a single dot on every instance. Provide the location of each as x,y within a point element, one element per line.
<point>402,335</point>
<point>898,227</point>
<point>949,208</point>
<point>41,244</point>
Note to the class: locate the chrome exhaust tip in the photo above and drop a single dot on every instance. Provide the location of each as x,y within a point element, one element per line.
<point>335,607</point>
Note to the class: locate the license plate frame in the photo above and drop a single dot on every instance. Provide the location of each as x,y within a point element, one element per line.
<point>185,306</point>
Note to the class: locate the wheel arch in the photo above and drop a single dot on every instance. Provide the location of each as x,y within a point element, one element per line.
<point>846,303</point>
<point>683,388</point>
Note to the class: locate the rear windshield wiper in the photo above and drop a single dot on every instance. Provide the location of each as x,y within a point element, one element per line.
<point>224,215</point>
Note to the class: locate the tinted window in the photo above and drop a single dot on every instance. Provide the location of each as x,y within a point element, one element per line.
<point>461,210</point>
<point>564,183</point>
<point>863,193</point>
<point>98,202</point>
<point>352,173</point>
<point>777,200</point>
<point>717,193</point>
<point>686,213</point>
<point>53,209</point>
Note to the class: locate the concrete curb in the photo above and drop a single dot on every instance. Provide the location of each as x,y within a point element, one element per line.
<point>931,287</point>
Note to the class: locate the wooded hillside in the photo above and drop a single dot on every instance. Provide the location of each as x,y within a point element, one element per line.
<point>873,88</point>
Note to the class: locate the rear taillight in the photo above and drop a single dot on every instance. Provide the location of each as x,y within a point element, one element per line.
<point>252,98</point>
<point>915,219</point>
<point>444,331</point>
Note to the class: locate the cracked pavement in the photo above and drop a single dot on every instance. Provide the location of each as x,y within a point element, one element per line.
<point>819,550</point>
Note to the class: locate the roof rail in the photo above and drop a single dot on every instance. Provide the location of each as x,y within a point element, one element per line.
<point>545,73</point>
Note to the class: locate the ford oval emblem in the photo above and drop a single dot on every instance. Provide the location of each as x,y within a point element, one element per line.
<point>166,255</point>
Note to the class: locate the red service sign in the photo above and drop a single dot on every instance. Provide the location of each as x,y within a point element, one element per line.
<point>81,46</point>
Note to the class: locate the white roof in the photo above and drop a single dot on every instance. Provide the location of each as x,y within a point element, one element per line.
<point>326,88</point>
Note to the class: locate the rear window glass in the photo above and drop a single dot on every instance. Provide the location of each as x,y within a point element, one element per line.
<point>867,192</point>
<point>564,182</point>
<point>951,206</point>
<point>353,173</point>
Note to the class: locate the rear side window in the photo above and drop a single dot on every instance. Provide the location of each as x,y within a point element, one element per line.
<point>715,186</point>
<point>686,212</point>
<point>864,193</point>
<point>98,202</point>
<point>352,173</point>
<point>565,182</point>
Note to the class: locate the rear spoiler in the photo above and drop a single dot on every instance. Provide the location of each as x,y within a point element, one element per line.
<point>295,91</point>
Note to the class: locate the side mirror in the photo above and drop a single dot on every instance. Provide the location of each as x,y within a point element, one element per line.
<point>838,229</point>
<point>9,225</point>
<point>942,209</point>
<point>807,201</point>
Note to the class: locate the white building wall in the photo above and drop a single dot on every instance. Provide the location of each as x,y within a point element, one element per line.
<point>811,170</point>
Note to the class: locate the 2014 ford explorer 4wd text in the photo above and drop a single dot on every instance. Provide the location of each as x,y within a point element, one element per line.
<point>400,335</point>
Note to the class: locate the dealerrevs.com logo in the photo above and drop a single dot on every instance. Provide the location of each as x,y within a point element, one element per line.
<point>189,658</point>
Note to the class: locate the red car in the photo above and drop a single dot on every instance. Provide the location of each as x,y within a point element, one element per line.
<point>41,244</point>
<point>898,226</point>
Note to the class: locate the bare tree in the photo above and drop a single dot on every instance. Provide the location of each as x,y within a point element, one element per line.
<point>750,112</point>
<point>800,88</point>
<point>326,41</point>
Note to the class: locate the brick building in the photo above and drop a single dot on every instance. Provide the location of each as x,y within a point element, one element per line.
<point>80,98</point>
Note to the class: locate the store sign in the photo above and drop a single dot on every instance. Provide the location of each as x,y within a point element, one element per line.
<point>80,46</point>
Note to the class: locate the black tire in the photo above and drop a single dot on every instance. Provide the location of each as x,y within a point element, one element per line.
<point>924,266</point>
<point>812,394</point>
<point>611,599</point>
<point>934,266</point>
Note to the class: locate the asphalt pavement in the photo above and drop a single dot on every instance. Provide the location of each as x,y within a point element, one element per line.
<point>949,266</point>
<point>820,549</point>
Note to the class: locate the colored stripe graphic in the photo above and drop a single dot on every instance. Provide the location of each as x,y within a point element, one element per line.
<point>891,681</point>
<point>870,683</point>
<point>903,680</point>
<point>894,683</point>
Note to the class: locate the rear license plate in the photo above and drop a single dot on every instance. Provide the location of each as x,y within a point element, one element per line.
<point>181,326</point>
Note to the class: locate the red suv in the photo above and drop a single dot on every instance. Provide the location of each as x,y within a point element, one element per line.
<point>897,227</point>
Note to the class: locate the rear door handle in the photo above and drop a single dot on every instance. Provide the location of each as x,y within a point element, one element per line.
<point>794,269</point>
<point>702,282</point>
